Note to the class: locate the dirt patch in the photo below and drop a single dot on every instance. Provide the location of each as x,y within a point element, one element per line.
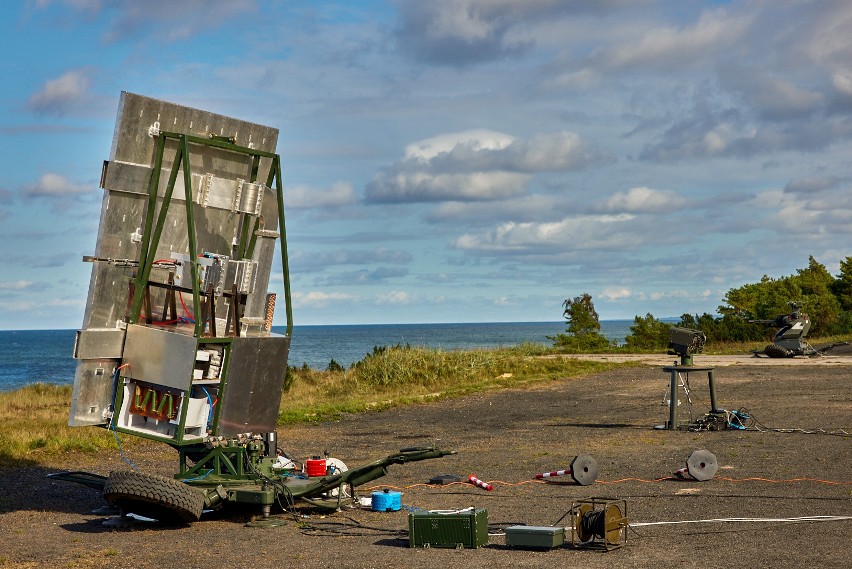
<point>507,437</point>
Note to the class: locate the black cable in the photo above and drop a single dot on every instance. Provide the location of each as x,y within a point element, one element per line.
<point>279,486</point>
<point>565,515</point>
<point>351,528</point>
<point>758,426</point>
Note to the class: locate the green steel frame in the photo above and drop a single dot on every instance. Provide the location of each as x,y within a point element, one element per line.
<point>236,471</point>
<point>245,246</point>
<point>154,224</point>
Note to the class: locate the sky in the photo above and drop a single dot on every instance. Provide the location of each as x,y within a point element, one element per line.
<point>455,160</point>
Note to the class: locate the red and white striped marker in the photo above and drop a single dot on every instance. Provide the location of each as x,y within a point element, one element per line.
<point>584,471</point>
<point>477,482</point>
<point>552,474</point>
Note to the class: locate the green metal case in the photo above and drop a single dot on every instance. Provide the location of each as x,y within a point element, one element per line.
<point>537,537</point>
<point>448,529</point>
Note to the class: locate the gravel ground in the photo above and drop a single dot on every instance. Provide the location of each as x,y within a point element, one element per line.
<point>506,438</point>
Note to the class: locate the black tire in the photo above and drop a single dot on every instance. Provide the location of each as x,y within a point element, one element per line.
<point>157,497</point>
<point>776,351</point>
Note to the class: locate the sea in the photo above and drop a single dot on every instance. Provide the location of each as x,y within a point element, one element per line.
<point>32,356</point>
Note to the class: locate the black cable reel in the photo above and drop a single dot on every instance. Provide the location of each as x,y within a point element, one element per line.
<point>599,523</point>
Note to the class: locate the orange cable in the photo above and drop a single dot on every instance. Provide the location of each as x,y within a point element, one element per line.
<point>636,480</point>
<point>759,479</point>
<point>620,480</point>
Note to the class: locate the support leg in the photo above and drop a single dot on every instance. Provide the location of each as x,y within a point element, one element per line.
<point>673,401</point>
<point>713,405</point>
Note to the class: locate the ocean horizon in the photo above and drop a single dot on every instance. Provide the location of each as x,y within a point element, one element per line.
<point>32,356</point>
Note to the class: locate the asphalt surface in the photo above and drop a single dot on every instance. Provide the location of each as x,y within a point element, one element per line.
<point>793,463</point>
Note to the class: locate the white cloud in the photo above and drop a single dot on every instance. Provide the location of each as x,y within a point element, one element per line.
<point>340,194</point>
<point>615,293</point>
<point>588,232</point>
<point>461,33</point>
<point>668,46</point>
<point>53,185</point>
<point>395,297</point>
<point>484,150</point>
<point>41,306</point>
<point>770,94</point>
<point>841,80</point>
<point>426,187</point>
<point>811,185</point>
<point>15,285</point>
<point>320,299</point>
<point>644,200</point>
<point>532,207</point>
<point>825,215</point>
<point>57,96</point>
<point>475,140</point>
<point>317,260</point>
<point>478,165</point>
<point>176,21</point>
<point>657,295</point>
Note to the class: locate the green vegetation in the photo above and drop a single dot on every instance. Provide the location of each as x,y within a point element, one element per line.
<point>33,420</point>
<point>820,295</point>
<point>402,375</point>
<point>826,299</point>
<point>583,334</point>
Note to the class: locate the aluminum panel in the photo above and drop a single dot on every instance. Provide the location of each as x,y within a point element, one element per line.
<point>264,252</point>
<point>125,177</point>
<point>121,220</point>
<point>231,193</point>
<point>99,343</point>
<point>93,392</point>
<point>256,371</point>
<point>133,140</point>
<point>159,356</point>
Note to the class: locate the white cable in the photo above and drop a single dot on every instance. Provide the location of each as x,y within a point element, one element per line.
<point>720,520</point>
<point>451,512</point>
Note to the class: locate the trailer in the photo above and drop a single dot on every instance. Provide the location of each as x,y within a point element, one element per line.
<point>176,344</point>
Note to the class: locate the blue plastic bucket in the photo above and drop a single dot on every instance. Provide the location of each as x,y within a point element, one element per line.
<point>386,501</point>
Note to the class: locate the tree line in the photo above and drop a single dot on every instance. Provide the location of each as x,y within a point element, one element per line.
<point>825,298</point>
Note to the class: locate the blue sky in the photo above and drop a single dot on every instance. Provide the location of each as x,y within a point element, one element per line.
<point>455,160</point>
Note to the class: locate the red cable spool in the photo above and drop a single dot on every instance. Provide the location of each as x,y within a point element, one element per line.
<point>315,466</point>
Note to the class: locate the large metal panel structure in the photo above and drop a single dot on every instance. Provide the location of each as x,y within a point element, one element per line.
<point>176,342</point>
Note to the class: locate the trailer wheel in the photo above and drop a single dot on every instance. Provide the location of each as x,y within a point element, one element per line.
<point>157,497</point>
<point>776,351</point>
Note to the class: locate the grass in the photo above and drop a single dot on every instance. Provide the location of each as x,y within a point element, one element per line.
<point>731,348</point>
<point>34,419</point>
<point>34,422</point>
<point>406,375</point>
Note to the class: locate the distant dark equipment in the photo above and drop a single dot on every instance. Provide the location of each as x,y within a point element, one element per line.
<point>789,340</point>
<point>685,342</point>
